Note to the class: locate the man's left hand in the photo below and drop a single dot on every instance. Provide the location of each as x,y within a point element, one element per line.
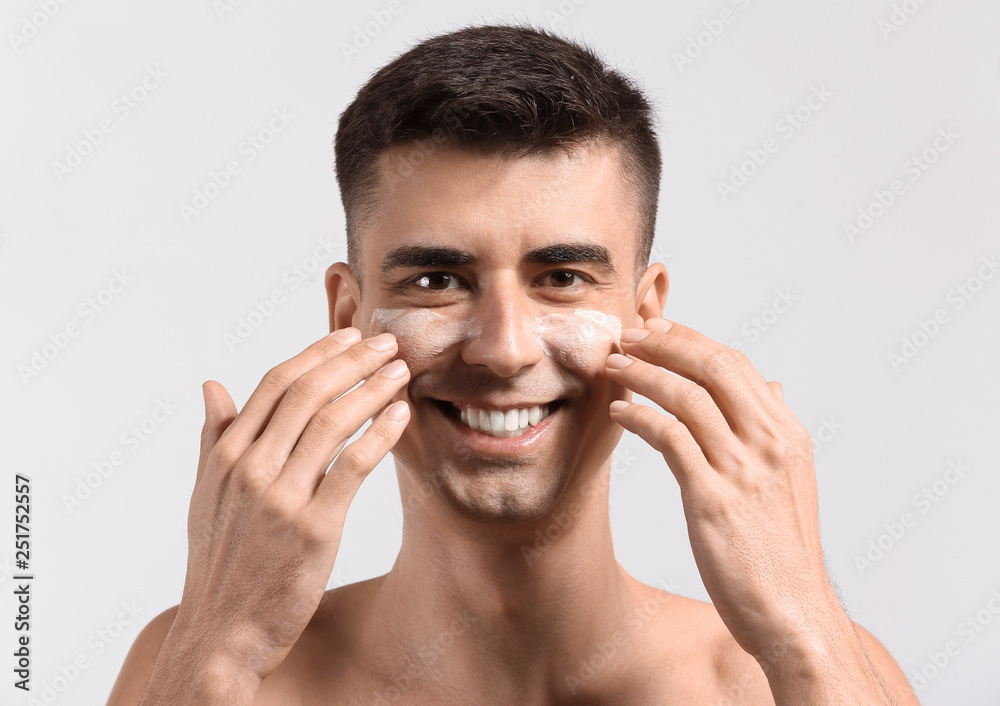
<point>748,484</point>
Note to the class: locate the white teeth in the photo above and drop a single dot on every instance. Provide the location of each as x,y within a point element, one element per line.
<point>494,422</point>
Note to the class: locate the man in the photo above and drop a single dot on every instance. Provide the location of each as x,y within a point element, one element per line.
<point>500,186</point>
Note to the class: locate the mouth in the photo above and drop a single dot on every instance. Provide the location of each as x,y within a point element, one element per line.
<point>500,423</point>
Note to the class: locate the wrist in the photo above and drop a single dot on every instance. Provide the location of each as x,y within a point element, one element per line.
<point>190,671</point>
<point>807,643</point>
<point>825,664</point>
<point>208,683</point>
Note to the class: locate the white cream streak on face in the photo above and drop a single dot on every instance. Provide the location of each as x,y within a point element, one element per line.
<point>582,339</point>
<point>422,333</point>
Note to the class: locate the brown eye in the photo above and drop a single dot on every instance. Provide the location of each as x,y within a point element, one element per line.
<point>564,278</point>
<point>437,280</point>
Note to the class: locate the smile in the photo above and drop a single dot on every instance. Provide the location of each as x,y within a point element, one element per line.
<point>498,422</point>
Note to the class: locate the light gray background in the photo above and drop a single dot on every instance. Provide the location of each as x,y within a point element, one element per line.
<point>895,431</point>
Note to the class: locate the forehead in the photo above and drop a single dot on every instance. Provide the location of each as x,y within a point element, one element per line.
<point>500,207</point>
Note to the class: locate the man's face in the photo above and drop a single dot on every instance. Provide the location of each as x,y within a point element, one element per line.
<point>506,283</point>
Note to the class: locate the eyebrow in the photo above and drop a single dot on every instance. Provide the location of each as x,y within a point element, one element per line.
<point>430,256</point>
<point>568,252</point>
<point>425,256</point>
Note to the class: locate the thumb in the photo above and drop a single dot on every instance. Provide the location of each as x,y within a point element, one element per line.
<point>776,389</point>
<point>220,411</point>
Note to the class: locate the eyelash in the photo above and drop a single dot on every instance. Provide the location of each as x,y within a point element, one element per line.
<point>425,275</point>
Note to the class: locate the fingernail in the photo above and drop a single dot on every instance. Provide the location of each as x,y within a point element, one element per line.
<point>619,405</point>
<point>398,411</point>
<point>346,336</point>
<point>634,335</point>
<point>383,342</point>
<point>396,369</point>
<point>659,325</point>
<point>618,361</point>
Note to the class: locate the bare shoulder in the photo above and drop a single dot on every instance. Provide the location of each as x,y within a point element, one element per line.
<point>331,632</point>
<point>706,661</point>
<point>342,612</point>
<point>726,672</point>
<point>141,657</point>
<point>894,677</point>
<point>323,663</point>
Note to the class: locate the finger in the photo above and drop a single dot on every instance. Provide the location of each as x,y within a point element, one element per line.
<point>220,411</point>
<point>691,404</point>
<point>314,390</point>
<point>668,436</point>
<point>256,413</point>
<point>357,460</point>
<point>776,388</point>
<point>335,423</point>
<point>737,388</point>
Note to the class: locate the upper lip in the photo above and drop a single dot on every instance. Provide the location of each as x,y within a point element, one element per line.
<point>496,404</point>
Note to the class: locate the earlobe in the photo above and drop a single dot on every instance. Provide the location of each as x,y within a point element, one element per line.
<point>651,294</point>
<point>343,296</point>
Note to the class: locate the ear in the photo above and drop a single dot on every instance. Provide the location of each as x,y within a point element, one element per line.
<point>651,294</point>
<point>343,295</point>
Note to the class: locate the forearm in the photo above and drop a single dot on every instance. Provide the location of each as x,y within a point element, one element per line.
<point>828,665</point>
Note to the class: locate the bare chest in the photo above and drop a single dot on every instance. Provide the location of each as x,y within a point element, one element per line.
<point>648,684</point>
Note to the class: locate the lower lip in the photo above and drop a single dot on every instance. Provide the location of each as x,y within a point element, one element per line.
<point>499,445</point>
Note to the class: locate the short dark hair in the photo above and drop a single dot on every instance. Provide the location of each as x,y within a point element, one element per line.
<point>506,90</point>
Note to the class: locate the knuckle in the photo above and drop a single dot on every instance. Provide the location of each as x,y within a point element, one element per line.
<point>280,506</point>
<point>246,481</point>
<point>659,344</point>
<point>352,461</point>
<point>673,432</point>
<point>695,398</point>
<point>309,529</point>
<point>383,433</point>
<point>250,475</point>
<point>356,354</point>
<point>784,450</point>
<point>642,414</point>
<point>280,377</point>
<point>223,456</point>
<point>307,386</point>
<point>329,420</point>
<point>723,362</point>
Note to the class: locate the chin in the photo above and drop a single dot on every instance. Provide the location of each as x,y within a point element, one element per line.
<point>486,491</point>
<point>503,498</point>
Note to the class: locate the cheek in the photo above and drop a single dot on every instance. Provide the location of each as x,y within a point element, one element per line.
<point>581,341</point>
<point>421,334</point>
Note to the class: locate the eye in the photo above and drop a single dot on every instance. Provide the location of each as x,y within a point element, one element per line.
<point>436,280</point>
<point>565,278</point>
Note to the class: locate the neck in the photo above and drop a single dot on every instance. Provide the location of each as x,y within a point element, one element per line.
<point>536,597</point>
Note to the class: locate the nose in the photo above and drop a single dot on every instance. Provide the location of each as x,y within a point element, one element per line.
<point>506,341</point>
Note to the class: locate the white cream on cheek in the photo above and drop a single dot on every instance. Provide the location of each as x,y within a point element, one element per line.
<point>580,340</point>
<point>421,333</point>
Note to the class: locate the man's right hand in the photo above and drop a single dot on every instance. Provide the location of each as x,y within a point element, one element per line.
<point>265,521</point>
